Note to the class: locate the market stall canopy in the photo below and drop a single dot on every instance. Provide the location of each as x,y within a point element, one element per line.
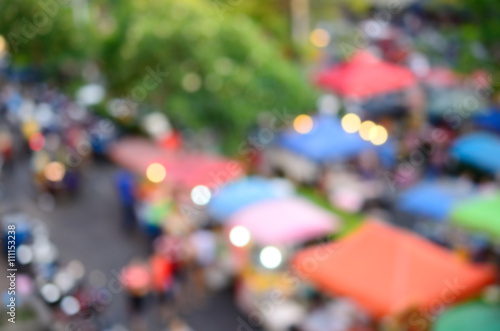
<point>385,104</point>
<point>364,75</point>
<point>441,77</point>
<point>480,150</point>
<point>187,169</point>
<point>243,193</point>
<point>329,142</point>
<point>470,316</point>
<point>453,102</point>
<point>285,221</point>
<point>433,199</point>
<point>388,271</point>
<point>489,119</point>
<point>481,214</point>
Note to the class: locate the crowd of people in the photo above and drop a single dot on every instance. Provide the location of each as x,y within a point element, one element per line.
<point>360,155</point>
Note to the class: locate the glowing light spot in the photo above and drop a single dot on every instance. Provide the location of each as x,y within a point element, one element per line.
<point>54,171</point>
<point>36,141</point>
<point>320,38</point>
<point>70,305</point>
<point>303,124</point>
<point>50,293</point>
<point>24,254</point>
<point>364,129</point>
<point>3,44</point>
<point>156,173</point>
<point>191,82</point>
<point>201,195</point>
<point>378,135</point>
<point>239,236</point>
<point>270,257</point>
<point>351,123</point>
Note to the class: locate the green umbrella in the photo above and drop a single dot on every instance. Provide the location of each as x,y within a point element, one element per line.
<point>481,214</point>
<point>469,317</point>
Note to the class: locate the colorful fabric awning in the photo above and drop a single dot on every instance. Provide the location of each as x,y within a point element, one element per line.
<point>364,75</point>
<point>388,271</point>
<point>285,221</point>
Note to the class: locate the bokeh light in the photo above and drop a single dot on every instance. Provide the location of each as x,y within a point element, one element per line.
<point>64,280</point>
<point>378,135</point>
<point>24,254</point>
<point>191,82</point>
<point>364,129</point>
<point>70,305</point>
<point>239,236</point>
<point>156,173</point>
<point>3,44</point>
<point>320,38</point>
<point>201,195</point>
<point>54,171</point>
<point>270,257</point>
<point>36,141</point>
<point>76,269</point>
<point>50,293</point>
<point>303,124</point>
<point>351,123</point>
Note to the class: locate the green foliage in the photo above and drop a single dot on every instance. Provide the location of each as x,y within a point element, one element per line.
<point>222,68</point>
<point>479,24</point>
<point>43,33</point>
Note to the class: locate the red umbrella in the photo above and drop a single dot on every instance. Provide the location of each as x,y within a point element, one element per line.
<point>365,76</point>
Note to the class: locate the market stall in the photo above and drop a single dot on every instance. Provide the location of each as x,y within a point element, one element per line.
<point>489,119</point>
<point>263,236</point>
<point>480,150</point>
<point>470,316</point>
<point>348,162</point>
<point>410,273</point>
<point>426,207</point>
<point>245,192</point>
<point>448,104</point>
<point>481,214</point>
<point>184,181</point>
<point>434,199</point>
<point>364,75</point>
<point>185,169</point>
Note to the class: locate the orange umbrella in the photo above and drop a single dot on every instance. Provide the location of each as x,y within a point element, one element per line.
<point>388,271</point>
<point>365,76</point>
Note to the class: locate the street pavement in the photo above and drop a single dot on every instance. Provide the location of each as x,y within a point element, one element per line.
<point>87,227</point>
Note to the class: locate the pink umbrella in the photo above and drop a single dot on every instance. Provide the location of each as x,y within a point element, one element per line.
<point>441,77</point>
<point>365,76</point>
<point>283,221</point>
<point>185,169</point>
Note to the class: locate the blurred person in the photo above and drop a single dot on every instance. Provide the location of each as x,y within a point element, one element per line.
<point>125,184</point>
<point>136,279</point>
<point>178,324</point>
<point>162,283</point>
<point>204,249</point>
<point>6,144</point>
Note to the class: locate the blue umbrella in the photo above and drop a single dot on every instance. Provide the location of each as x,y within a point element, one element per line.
<point>235,196</point>
<point>328,142</point>
<point>480,150</point>
<point>432,199</point>
<point>489,120</point>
